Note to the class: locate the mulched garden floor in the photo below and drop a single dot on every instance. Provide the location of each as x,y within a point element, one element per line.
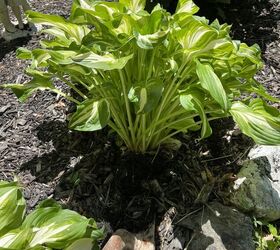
<point>90,174</point>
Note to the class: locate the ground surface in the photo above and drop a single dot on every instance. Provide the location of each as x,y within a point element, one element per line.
<point>89,173</point>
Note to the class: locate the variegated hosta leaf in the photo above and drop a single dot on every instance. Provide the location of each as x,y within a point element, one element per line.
<point>252,53</point>
<point>184,124</point>
<point>211,82</point>
<point>106,62</point>
<point>91,115</point>
<point>72,31</point>
<point>150,40</point>
<point>258,121</point>
<point>24,53</point>
<point>57,228</point>
<point>134,5</point>
<point>17,239</point>
<point>192,101</point>
<point>195,35</point>
<point>47,227</point>
<point>99,14</point>
<point>187,7</point>
<point>12,206</point>
<point>84,4</point>
<point>40,81</point>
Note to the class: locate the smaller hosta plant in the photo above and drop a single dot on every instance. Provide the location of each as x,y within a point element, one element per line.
<point>149,76</point>
<point>47,227</point>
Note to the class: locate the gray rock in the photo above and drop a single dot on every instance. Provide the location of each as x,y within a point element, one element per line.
<point>257,189</point>
<point>218,227</point>
<point>272,153</point>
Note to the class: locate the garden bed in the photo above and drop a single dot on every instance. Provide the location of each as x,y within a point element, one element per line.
<point>89,173</point>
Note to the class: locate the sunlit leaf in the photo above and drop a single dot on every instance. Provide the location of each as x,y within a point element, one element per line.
<point>91,115</point>
<point>75,32</point>
<point>211,82</point>
<point>40,81</point>
<point>12,206</point>
<point>106,62</point>
<point>134,5</point>
<point>56,227</point>
<point>258,121</point>
<point>187,6</point>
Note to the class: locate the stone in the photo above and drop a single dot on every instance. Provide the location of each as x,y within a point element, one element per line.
<point>272,153</point>
<point>124,240</point>
<point>219,227</point>
<point>15,30</point>
<point>171,236</point>
<point>257,189</point>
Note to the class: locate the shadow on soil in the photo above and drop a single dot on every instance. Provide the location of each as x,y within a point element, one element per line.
<point>68,149</point>
<point>6,47</point>
<point>96,178</point>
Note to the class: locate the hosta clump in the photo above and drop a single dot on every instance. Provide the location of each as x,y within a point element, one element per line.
<point>47,227</point>
<point>149,76</point>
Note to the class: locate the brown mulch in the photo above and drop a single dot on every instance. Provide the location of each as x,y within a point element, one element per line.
<point>89,173</point>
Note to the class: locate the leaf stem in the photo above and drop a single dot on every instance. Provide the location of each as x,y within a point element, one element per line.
<point>178,131</point>
<point>130,124</point>
<point>70,98</point>
<point>71,85</point>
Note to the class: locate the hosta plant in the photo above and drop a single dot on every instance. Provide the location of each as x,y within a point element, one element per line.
<point>149,76</point>
<point>47,227</point>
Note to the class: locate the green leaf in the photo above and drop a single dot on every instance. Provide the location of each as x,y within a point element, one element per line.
<point>258,121</point>
<point>12,206</point>
<point>61,39</point>
<point>187,7</point>
<point>17,239</point>
<point>134,5</point>
<point>85,244</point>
<point>185,124</point>
<point>253,53</point>
<point>91,115</point>
<point>150,40</point>
<point>39,58</point>
<point>23,53</point>
<point>143,99</point>
<point>211,82</point>
<point>47,227</point>
<point>106,62</point>
<point>192,101</point>
<point>72,31</point>
<point>146,96</point>
<point>62,57</point>
<point>56,227</point>
<point>40,81</point>
<point>273,230</point>
<point>257,88</point>
<point>196,35</point>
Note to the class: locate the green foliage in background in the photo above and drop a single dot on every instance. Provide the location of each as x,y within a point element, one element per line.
<point>267,236</point>
<point>149,76</point>
<point>47,227</point>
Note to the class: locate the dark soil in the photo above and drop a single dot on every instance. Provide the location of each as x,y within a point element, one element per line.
<point>90,174</point>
